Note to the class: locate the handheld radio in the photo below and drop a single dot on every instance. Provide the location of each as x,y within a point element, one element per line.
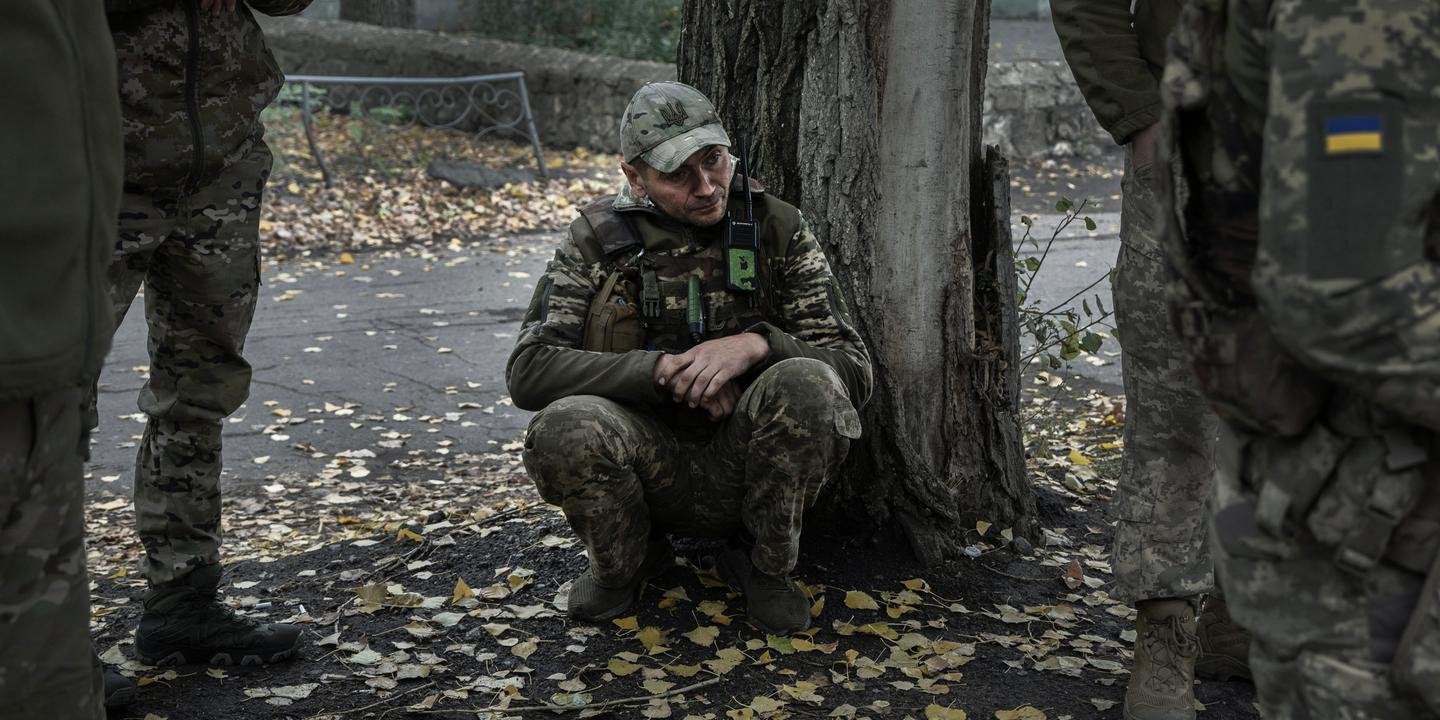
<point>742,237</point>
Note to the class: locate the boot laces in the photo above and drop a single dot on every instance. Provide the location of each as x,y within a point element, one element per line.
<point>1170,647</point>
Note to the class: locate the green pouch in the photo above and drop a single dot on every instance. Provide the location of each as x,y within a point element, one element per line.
<point>613,321</point>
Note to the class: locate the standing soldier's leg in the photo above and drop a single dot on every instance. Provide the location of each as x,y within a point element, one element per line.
<point>1161,554</point>
<point>609,468</point>
<point>790,432</point>
<point>47,669</point>
<point>1166,472</point>
<point>200,295</point>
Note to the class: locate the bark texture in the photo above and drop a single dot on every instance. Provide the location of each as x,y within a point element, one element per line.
<point>866,114</point>
<point>389,13</point>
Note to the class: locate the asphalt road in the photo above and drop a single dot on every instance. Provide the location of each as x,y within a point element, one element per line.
<point>404,355</point>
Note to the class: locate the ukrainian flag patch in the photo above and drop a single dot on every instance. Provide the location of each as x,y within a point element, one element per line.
<point>1348,134</point>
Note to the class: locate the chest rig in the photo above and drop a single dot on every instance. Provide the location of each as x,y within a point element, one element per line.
<point>670,300</point>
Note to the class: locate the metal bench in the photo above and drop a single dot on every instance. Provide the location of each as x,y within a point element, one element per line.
<point>484,104</point>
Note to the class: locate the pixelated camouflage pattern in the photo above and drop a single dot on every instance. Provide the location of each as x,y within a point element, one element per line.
<point>199,260</point>
<point>1364,311</point>
<point>620,473</point>
<point>48,668</point>
<point>192,85</point>
<point>1161,547</point>
<point>1325,640</point>
<point>807,317</point>
<point>1344,275</point>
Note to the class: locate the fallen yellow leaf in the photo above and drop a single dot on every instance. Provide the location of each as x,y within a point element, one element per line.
<point>703,635</point>
<point>1021,713</point>
<point>461,591</point>
<point>857,600</point>
<point>940,712</point>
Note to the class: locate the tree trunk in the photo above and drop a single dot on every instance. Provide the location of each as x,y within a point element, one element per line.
<point>389,13</point>
<point>866,114</point>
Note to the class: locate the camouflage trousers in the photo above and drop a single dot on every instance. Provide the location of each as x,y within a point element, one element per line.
<point>47,667</point>
<point>1161,547</point>
<point>619,473</point>
<point>199,260</point>
<point>1327,637</point>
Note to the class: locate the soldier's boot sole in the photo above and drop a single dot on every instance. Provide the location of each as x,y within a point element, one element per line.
<point>209,656</point>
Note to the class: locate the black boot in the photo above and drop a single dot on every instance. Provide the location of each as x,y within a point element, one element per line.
<point>186,622</point>
<point>119,690</point>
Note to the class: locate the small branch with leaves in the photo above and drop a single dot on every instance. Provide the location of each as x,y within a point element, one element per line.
<point>1058,334</point>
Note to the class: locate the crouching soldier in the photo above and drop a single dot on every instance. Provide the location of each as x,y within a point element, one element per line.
<point>694,365</point>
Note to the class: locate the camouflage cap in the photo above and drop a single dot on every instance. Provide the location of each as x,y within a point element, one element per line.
<point>666,122</point>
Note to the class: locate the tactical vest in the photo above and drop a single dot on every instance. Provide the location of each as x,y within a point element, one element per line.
<point>650,299</point>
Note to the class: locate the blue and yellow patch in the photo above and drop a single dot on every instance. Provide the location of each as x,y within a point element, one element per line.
<point>1354,134</point>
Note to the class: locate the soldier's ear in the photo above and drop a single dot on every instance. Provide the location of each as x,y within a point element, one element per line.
<point>632,176</point>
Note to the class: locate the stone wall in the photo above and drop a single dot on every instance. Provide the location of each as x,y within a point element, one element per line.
<point>577,99</point>
<point>1032,107</point>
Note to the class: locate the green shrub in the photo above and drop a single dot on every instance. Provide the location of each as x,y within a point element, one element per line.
<point>641,29</point>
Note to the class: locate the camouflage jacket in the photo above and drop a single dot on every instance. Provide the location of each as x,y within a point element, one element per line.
<point>59,194</point>
<point>192,85</point>
<point>807,317</point>
<point>1117,57</point>
<point>1315,165</point>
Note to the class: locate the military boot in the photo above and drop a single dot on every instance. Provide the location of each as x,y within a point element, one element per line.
<point>775,603</point>
<point>1224,645</point>
<point>186,622</point>
<point>119,690</point>
<point>1162,681</point>
<point>592,602</point>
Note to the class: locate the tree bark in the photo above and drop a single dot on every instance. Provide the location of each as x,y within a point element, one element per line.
<point>866,114</point>
<point>389,13</point>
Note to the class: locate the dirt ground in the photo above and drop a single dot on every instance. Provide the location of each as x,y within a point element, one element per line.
<point>434,590</point>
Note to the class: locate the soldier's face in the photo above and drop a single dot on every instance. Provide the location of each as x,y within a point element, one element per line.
<point>694,193</point>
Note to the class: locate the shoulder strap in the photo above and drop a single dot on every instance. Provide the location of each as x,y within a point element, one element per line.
<point>615,232</point>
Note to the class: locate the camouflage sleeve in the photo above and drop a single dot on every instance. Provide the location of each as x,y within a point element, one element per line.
<point>1103,51</point>
<point>547,363</point>
<point>815,322</point>
<point>276,8</point>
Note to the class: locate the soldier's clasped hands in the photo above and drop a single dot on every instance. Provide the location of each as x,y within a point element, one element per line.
<point>700,377</point>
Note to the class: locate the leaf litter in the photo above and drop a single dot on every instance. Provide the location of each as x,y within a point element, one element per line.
<point>435,582</point>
